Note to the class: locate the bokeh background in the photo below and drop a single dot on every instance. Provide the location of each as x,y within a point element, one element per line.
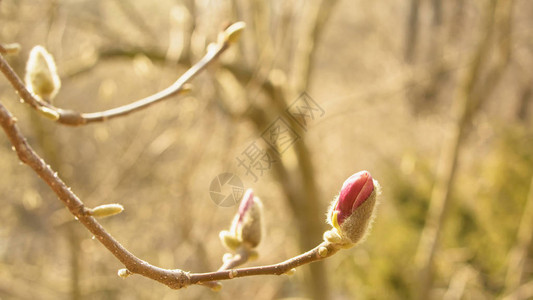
<point>434,98</point>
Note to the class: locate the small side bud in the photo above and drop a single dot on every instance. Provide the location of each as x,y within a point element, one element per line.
<point>11,49</point>
<point>352,212</point>
<point>185,89</point>
<point>290,272</point>
<point>233,32</point>
<point>215,286</point>
<point>322,252</point>
<point>232,274</point>
<point>332,236</point>
<point>41,74</point>
<point>123,273</point>
<point>227,257</point>
<point>106,210</point>
<point>49,113</point>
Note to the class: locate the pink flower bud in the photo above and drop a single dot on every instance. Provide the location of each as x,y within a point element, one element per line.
<point>352,211</point>
<point>246,227</point>
<point>246,203</point>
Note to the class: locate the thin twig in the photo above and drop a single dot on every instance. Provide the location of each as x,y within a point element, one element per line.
<point>275,269</point>
<point>172,278</point>
<point>472,94</point>
<point>238,259</point>
<point>73,118</point>
<point>175,278</point>
<point>519,252</point>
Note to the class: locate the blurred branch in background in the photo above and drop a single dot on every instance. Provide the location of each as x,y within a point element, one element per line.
<point>519,253</point>
<point>411,36</point>
<point>43,69</point>
<point>384,112</point>
<point>473,92</point>
<point>69,117</point>
<point>278,88</point>
<point>173,278</point>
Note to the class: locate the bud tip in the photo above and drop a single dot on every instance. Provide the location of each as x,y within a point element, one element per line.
<point>233,32</point>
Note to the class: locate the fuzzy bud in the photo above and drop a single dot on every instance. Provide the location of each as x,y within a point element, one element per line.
<point>106,210</point>
<point>41,74</point>
<point>246,228</point>
<point>352,212</point>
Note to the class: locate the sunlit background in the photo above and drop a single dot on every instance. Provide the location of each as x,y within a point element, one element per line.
<point>434,98</point>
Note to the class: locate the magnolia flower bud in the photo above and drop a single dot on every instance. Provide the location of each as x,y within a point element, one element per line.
<point>246,228</point>
<point>352,212</point>
<point>41,74</point>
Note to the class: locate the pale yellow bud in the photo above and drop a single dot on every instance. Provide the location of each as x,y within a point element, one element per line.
<point>215,286</point>
<point>233,32</point>
<point>11,48</point>
<point>49,113</point>
<point>41,74</point>
<point>106,210</point>
<point>322,251</point>
<point>291,272</point>
<point>123,273</point>
<point>229,240</point>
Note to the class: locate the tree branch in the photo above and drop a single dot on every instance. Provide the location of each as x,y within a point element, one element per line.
<point>174,278</point>
<point>73,118</point>
<point>320,252</point>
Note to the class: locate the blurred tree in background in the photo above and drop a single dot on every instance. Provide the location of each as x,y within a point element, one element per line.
<point>433,97</point>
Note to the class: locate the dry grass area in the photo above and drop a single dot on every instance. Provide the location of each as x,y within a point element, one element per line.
<point>467,81</point>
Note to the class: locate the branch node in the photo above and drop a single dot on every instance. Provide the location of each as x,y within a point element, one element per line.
<point>12,120</point>
<point>83,211</point>
<point>183,279</point>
